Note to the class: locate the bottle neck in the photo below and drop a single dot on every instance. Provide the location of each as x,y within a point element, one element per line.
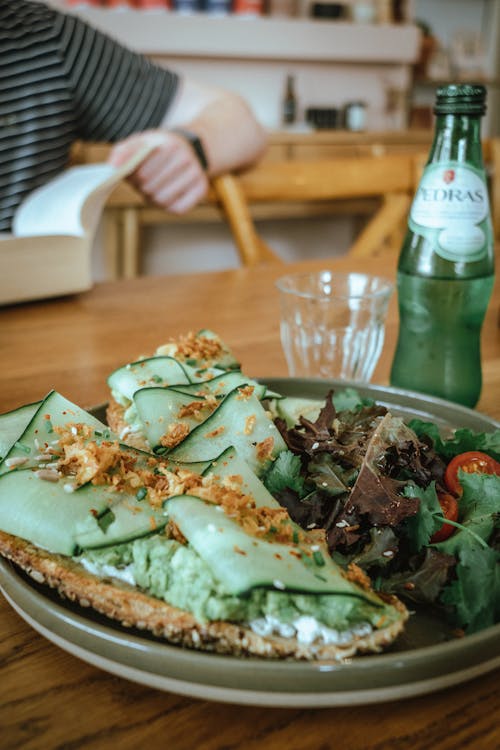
<point>457,138</point>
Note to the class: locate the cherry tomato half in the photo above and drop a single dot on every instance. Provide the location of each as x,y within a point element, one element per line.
<point>473,462</point>
<point>449,506</point>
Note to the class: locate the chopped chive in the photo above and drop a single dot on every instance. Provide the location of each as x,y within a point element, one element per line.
<point>105,521</point>
<point>50,428</point>
<point>98,433</point>
<point>295,537</point>
<point>160,450</point>
<point>156,379</point>
<point>22,447</point>
<point>273,529</point>
<point>191,362</point>
<point>141,493</point>
<point>318,557</point>
<point>320,578</point>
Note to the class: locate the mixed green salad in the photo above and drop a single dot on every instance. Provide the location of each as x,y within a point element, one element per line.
<point>419,512</point>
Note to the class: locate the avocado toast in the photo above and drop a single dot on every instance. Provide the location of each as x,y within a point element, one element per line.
<point>186,544</point>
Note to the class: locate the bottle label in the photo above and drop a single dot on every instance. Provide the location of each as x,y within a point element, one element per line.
<point>451,210</point>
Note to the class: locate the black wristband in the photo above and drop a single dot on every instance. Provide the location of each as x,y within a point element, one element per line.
<point>195,143</point>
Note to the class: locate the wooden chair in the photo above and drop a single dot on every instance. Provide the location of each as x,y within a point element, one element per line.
<point>374,181</point>
<point>389,179</point>
<point>240,199</point>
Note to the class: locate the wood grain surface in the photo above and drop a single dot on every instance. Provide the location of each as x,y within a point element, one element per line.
<point>50,699</point>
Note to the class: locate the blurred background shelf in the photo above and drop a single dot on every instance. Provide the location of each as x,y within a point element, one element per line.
<point>201,35</point>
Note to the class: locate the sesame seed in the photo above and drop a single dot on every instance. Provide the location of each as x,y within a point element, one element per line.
<point>16,461</point>
<point>48,475</point>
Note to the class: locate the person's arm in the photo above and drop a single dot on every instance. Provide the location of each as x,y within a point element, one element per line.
<point>173,175</point>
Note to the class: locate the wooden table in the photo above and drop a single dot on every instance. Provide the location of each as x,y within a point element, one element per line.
<point>50,699</point>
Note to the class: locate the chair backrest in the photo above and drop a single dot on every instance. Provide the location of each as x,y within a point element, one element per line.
<point>391,178</point>
<point>384,179</point>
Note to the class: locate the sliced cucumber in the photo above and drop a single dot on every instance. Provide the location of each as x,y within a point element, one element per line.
<point>126,380</point>
<point>225,360</point>
<point>228,464</point>
<point>242,562</point>
<point>161,408</point>
<point>290,409</point>
<point>224,384</point>
<point>53,411</point>
<point>155,372</point>
<point>196,467</point>
<point>13,424</point>
<point>239,421</point>
<point>44,513</point>
<point>127,519</point>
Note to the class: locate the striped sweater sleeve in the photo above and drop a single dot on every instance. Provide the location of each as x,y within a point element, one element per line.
<point>115,92</point>
<point>61,80</point>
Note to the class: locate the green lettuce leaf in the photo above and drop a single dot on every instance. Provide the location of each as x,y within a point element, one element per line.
<point>285,473</point>
<point>475,594</point>
<point>429,517</point>
<point>348,399</point>
<point>329,476</point>
<point>462,441</point>
<point>478,509</point>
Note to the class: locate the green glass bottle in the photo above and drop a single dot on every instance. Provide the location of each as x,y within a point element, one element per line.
<point>446,266</point>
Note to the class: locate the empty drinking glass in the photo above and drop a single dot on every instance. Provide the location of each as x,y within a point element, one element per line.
<point>332,324</point>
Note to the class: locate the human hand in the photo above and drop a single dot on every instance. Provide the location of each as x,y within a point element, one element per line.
<point>170,175</point>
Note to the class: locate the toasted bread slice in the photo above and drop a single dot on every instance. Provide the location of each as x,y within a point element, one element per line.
<point>130,607</point>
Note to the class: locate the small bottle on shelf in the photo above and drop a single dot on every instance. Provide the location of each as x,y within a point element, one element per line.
<point>289,112</point>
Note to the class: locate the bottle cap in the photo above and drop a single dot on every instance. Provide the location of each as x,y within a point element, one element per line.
<point>460,99</point>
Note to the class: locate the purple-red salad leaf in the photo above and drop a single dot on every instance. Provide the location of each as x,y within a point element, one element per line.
<point>422,580</point>
<point>380,550</point>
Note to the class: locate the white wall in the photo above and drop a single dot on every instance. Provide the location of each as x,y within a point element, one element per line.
<point>262,84</point>
<point>446,17</point>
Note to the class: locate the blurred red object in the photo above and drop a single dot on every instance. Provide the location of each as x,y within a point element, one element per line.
<point>152,4</point>
<point>248,7</point>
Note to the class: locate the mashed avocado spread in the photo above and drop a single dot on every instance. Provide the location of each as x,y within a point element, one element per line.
<point>174,572</point>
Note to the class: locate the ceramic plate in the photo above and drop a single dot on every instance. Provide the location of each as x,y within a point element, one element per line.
<point>425,659</point>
